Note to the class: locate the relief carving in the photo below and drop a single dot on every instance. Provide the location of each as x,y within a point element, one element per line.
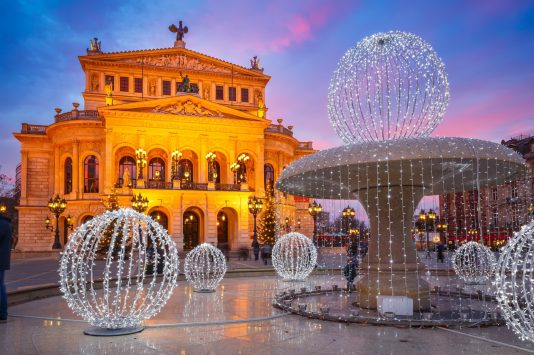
<point>95,82</point>
<point>188,108</point>
<point>152,84</point>
<point>179,61</point>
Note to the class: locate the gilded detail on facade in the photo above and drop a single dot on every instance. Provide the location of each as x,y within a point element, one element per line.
<point>180,61</point>
<point>188,108</point>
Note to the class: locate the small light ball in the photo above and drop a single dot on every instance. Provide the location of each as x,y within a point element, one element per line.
<point>205,267</point>
<point>474,263</point>
<point>125,242</point>
<point>294,256</point>
<point>514,282</point>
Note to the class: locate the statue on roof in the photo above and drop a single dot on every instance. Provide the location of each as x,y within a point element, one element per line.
<point>255,63</point>
<point>180,32</point>
<point>94,46</point>
<point>185,85</point>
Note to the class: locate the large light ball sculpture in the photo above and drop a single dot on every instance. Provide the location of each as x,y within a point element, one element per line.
<point>205,267</point>
<point>474,263</point>
<point>391,85</point>
<point>125,242</point>
<point>294,257</point>
<point>514,282</point>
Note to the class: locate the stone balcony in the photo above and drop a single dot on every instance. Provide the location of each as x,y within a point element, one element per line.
<point>78,115</point>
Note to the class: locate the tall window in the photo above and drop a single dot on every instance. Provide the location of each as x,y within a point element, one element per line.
<point>161,218</point>
<point>156,169</point>
<point>127,171</point>
<point>90,174</point>
<point>68,176</point>
<point>185,170</point>
<point>514,191</point>
<point>268,175</point>
<point>110,78</point>
<point>495,218</point>
<point>232,94</point>
<point>244,94</point>
<point>166,87</point>
<point>124,83</point>
<point>219,92</point>
<point>138,85</point>
<point>494,194</point>
<point>217,171</point>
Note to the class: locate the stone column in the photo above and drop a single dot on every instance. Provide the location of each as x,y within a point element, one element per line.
<point>24,177</point>
<point>390,266</point>
<point>58,172</point>
<point>109,179</point>
<point>76,168</point>
<point>202,163</point>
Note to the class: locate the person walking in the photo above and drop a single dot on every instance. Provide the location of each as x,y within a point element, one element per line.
<point>350,271</point>
<point>5,258</point>
<point>441,249</point>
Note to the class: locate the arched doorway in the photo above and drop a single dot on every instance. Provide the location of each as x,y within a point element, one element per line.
<point>222,230</point>
<point>191,228</point>
<point>161,218</point>
<point>227,228</point>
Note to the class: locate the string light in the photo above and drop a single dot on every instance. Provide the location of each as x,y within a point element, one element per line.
<point>205,267</point>
<point>128,295</point>
<point>294,256</point>
<point>474,263</point>
<point>513,279</point>
<point>390,85</point>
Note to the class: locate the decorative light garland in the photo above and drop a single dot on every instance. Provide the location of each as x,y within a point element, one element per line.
<point>514,282</point>
<point>474,263</point>
<point>294,256</point>
<point>205,267</point>
<point>390,85</point>
<point>128,295</point>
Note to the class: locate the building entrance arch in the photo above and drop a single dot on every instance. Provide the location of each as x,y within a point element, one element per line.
<point>192,227</point>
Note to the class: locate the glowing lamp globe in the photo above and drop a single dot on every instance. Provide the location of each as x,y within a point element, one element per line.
<point>474,263</point>
<point>391,85</point>
<point>514,282</point>
<point>294,257</point>
<point>205,267</point>
<point>113,250</point>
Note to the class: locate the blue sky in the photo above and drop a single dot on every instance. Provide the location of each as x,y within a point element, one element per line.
<point>487,47</point>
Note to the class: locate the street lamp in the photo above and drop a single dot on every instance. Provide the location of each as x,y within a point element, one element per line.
<point>212,174</point>
<point>140,154</point>
<point>348,213</point>
<point>314,209</point>
<point>139,203</point>
<point>287,225</point>
<point>255,205</point>
<point>3,208</point>
<point>57,206</point>
<point>427,221</point>
<point>175,156</point>
<point>298,223</point>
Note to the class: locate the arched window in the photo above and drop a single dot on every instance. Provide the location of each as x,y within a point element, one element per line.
<point>268,175</point>
<point>68,176</point>
<point>90,174</point>
<point>127,171</point>
<point>156,169</point>
<point>217,172</point>
<point>185,170</point>
<point>161,218</point>
<point>86,219</point>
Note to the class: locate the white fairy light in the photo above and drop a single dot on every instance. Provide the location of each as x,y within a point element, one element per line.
<point>205,267</point>
<point>127,241</point>
<point>514,282</point>
<point>390,85</point>
<point>474,263</point>
<point>294,256</point>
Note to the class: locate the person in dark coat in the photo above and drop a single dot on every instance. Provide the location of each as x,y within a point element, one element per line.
<point>5,258</point>
<point>441,249</point>
<point>350,271</point>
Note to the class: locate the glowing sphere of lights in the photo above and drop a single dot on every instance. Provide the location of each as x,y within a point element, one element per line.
<point>473,262</point>
<point>514,282</point>
<point>125,242</point>
<point>205,267</point>
<point>390,85</point>
<point>294,256</point>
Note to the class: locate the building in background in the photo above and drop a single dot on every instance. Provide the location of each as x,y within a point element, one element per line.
<point>185,130</point>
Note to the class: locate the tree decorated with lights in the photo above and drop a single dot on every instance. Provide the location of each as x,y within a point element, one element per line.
<point>268,226</point>
<point>111,204</point>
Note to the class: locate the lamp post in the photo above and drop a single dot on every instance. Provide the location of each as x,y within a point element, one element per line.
<point>237,168</point>
<point>212,175</point>
<point>56,206</point>
<point>255,205</point>
<point>427,219</point>
<point>3,208</point>
<point>139,203</point>
<point>348,213</point>
<point>175,156</point>
<point>314,209</point>
<point>298,223</point>
<point>140,154</point>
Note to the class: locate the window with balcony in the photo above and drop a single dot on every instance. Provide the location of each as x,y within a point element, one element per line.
<point>127,172</point>
<point>90,174</point>
<point>156,169</point>
<point>124,83</point>
<point>68,176</point>
<point>268,175</point>
<point>185,170</point>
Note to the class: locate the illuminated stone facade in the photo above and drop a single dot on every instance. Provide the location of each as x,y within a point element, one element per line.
<point>142,100</point>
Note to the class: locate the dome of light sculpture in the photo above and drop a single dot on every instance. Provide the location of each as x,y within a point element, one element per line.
<point>205,267</point>
<point>474,262</point>
<point>294,256</point>
<point>127,242</point>
<point>390,85</point>
<point>514,282</point>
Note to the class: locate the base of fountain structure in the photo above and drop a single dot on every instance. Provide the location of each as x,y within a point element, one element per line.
<point>397,283</point>
<point>108,332</point>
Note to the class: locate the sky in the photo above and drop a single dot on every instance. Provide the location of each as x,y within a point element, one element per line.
<point>487,47</point>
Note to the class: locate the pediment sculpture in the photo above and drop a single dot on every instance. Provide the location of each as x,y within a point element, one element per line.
<point>179,61</point>
<point>187,108</point>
